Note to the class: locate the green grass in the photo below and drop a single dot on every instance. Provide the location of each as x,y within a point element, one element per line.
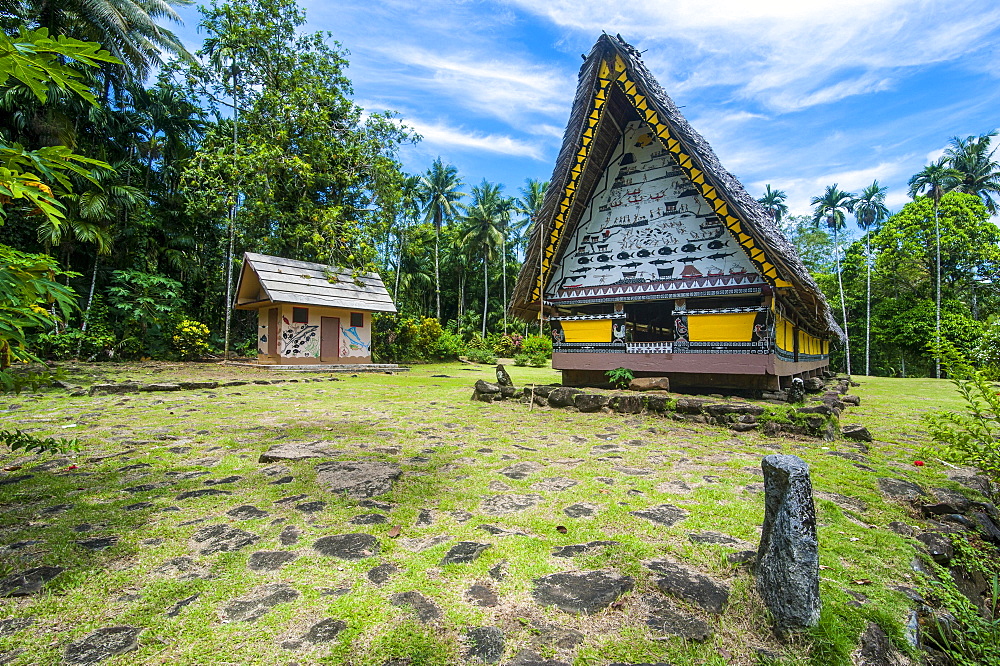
<point>431,417</point>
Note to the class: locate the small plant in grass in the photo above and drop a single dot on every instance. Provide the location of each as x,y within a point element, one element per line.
<point>971,437</point>
<point>620,377</point>
<point>16,440</point>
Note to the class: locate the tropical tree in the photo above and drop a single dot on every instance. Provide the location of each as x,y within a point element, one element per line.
<point>936,178</point>
<point>483,222</point>
<point>528,205</point>
<point>773,202</point>
<point>409,208</point>
<point>870,211</point>
<point>972,157</point>
<point>439,192</point>
<point>832,209</point>
<point>128,29</point>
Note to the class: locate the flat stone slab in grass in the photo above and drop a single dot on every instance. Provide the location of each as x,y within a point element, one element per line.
<point>382,573</point>
<point>718,538</point>
<point>421,605</point>
<point>251,607</point>
<point>324,631</point>
<point>222,539</point>
<point>269,560</point>
<point>420,544</point>
<point>464,552</point>
<point>633,471</point>
<point>176,609</point>
<point>898,489</point>
<point>554,484</point>
<point>12,625</point>
<point>348,546</point>
<point>182,568</point>
<point>358,478</point>
<point>289,536</point>
<point>496,530</point>
<point>480,595</point>
<point>102,644</point>
<point>521,470</point>
<point>665,620</point>
<point>297,451</point>
<point>602,449</point>
<point>369,519</point>
<point>664,514</point>
<point>486,644</point>
<point>580,548</point>
<point>29,581</point>
<point>581,591</point>
<point>247,512</point>
<point>843,501</point>
<point>97,543</point>
<point>691,585</point>
<point>580,510</point>
<point>500,505</point>
<point>311,507</point>
<point>203,492</point>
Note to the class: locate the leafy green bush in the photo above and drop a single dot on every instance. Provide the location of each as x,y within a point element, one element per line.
<point>972,437</point>
<point>190,339</point>
<point>400,339</point>
<point>620,377</point>
<point>74,343</point>
<point>534,345</point>
<point>508,345</point>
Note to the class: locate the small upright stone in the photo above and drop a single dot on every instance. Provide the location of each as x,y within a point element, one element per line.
<point>797,391</point>
<point>503,378</point>
<point>788,558</point>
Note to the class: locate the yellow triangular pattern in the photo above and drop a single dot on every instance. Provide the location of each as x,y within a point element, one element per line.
<point>604,71</point>
<point>619,63</point>
<point>782,283</point>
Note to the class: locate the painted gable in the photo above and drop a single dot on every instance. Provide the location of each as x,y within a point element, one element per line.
<point>647,230</point>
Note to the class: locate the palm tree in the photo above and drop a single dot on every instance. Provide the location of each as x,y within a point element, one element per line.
<point>832,208</point>
<point>937,178</point>
<point>126,28</point>
<point>980,173</point>
<point>439,194</point>
<point>528,205</point>
<point>409,205</point>
<point>774,203</point>
<point>483,221</point>
<point>870,211</point>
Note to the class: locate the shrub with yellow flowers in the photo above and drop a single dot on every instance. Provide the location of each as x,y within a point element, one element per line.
<point>190,339</point>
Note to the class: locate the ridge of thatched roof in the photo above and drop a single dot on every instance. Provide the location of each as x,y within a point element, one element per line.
<point>572,182</point>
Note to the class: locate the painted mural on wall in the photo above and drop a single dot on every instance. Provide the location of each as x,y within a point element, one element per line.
<point>352,343</point>
<point>298,340</point>
<point>646,224</point>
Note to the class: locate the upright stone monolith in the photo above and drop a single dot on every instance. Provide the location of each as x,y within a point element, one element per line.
<point>788,558</point>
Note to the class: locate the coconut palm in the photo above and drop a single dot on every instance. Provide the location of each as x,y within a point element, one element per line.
<point>980,173</point>
<point>936,179</point>
<point>832,209</point>
<point>128,29</point>
<point>773,202</point>
<point>439,194</point>
<point>409,208</point>
<point>483,221</point>
<point>870,212</point>
<point>528,205</point>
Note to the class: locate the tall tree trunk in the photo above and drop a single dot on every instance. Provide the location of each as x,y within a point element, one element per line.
<point>503,265</point>
<point>90,301</point>
<point>399,262</point>
<point>868,306</point>
<point>437,270</point>
<point>937,300</point>
<point>486,292</point>
<point>232,214</point>
<point>843,304</point>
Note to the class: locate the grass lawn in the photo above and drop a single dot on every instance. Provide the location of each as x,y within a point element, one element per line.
<point>141,452</point>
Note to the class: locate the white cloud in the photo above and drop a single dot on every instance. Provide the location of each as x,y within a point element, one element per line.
<point>787,54</point>
<point>441,135</point>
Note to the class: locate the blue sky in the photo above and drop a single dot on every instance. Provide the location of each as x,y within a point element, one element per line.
<point>799,94</point>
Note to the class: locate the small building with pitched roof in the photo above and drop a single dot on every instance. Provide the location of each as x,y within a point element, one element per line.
<point>310,313</point>
<point>648,255</point>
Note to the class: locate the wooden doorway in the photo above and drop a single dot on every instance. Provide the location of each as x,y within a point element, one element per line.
<point>329,339</point>
<point>272,332</point>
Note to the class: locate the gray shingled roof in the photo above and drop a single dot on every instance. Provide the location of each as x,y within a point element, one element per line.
<point>305,283</point>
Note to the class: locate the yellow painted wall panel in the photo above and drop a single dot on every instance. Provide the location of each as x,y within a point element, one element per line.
<point>733,327</point>
<point>594,330</point>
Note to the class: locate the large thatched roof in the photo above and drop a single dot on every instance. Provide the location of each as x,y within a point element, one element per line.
<point>614,88</point>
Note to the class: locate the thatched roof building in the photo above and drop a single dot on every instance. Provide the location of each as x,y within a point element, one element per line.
<point>625,132</point>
